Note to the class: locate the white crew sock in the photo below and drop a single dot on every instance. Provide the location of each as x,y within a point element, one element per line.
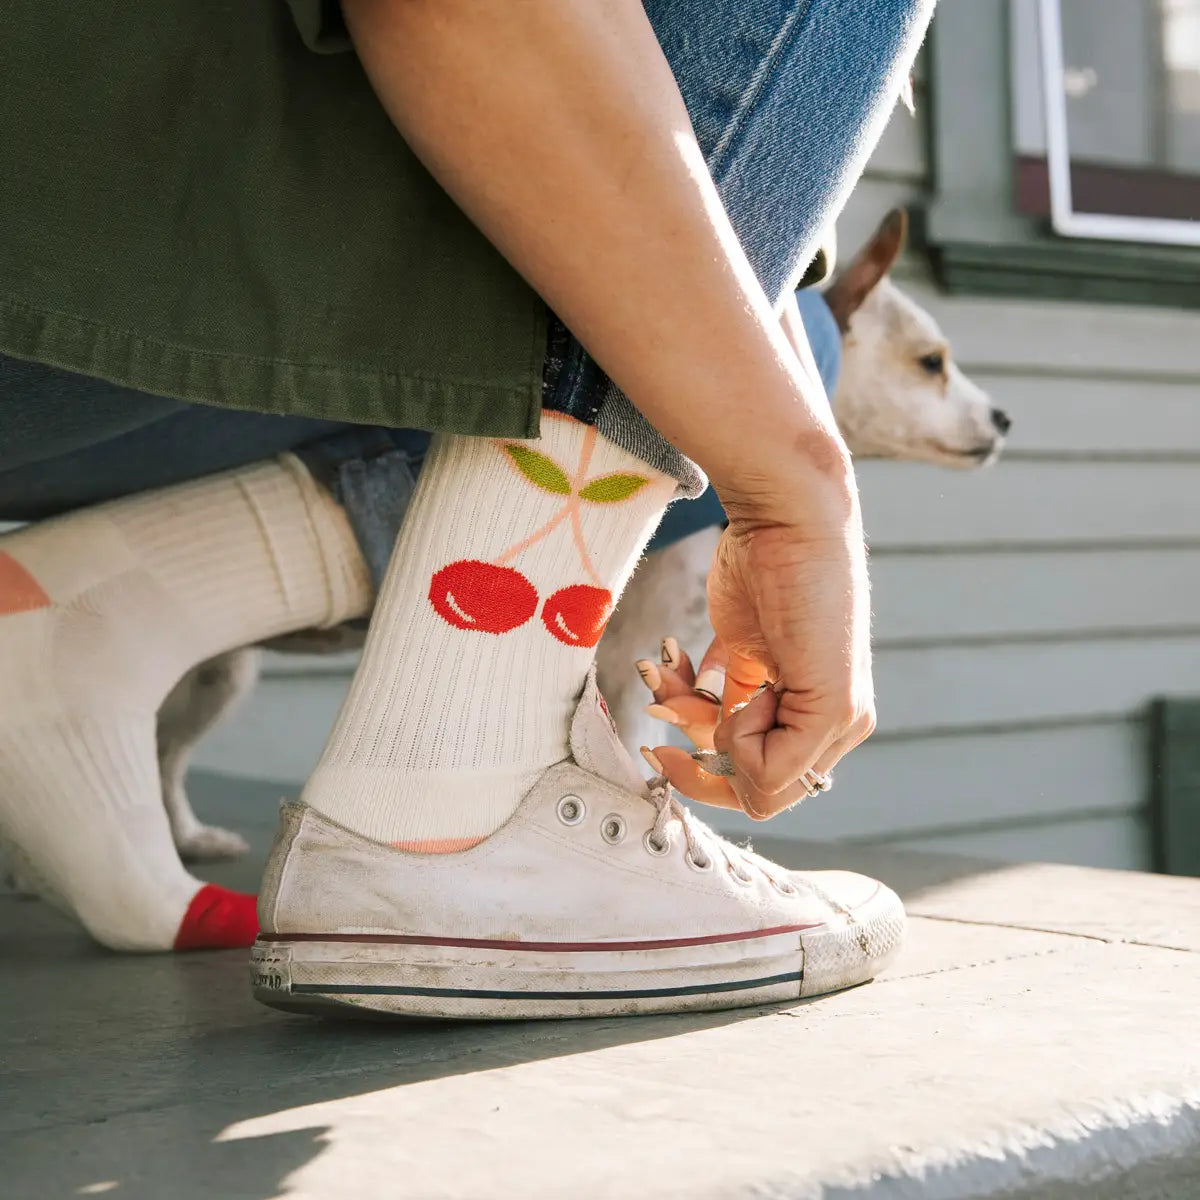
<point>483,633</point>
<point>101,612</point>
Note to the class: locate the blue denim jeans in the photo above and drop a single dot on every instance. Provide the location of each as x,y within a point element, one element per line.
<point>71,441</point>
<point>787,97</point>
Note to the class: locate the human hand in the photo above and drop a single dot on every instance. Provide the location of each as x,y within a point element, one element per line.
<point>675,688</point>
<point>790,610</point>
<point>680,702</point>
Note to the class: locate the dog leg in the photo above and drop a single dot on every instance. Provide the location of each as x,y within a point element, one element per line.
<point>199,700</point>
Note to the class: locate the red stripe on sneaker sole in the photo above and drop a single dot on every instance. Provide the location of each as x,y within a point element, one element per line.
<point>385,939</point>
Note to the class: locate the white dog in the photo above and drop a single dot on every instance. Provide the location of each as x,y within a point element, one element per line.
<point>899,395</point>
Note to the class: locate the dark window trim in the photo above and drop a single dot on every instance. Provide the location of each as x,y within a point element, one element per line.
<point>1175,785</point>
<point>979,241</point>
<point>1102,188</point>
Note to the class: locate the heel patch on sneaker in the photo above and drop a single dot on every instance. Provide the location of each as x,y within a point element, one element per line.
<point>271,968</point>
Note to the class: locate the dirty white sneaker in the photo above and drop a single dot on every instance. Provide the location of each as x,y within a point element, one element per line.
<point>601,896</point>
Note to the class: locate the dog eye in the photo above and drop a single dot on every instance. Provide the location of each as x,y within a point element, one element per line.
<point>934,363</point>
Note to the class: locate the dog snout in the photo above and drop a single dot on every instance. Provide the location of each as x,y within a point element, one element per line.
<point>1001,420</point>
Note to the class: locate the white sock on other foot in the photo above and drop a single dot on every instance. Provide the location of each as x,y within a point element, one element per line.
<point>101,611</point>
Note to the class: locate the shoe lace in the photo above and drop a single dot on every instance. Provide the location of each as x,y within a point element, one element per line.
<point>705,844</point>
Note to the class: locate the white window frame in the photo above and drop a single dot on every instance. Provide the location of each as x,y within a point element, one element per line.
<point>1065,220</point>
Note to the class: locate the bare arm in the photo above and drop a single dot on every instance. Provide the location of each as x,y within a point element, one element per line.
<point>559,128</point>
<point>792,325</point>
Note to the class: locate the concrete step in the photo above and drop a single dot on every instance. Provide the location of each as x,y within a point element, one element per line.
<point>1039,1038</point>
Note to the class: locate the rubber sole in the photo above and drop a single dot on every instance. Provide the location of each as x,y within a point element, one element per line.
<point>377,975</point>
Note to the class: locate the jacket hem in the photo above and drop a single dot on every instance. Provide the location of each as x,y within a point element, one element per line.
<point>336,392</point>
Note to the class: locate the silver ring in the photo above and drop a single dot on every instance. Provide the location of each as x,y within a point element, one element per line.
<point>814,782</point>
<point>721,764</point>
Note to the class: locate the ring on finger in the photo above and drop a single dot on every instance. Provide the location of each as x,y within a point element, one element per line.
<point>814,782</point>
<point>721,764</point>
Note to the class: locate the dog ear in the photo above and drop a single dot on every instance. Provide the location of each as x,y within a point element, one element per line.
<point>867,268</point>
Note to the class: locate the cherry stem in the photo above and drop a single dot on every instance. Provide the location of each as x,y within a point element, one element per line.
<point>581,545</point>
<point>537,535</point>
<point>569,509</point>
<point>585,457</point>
<point>577,486</point>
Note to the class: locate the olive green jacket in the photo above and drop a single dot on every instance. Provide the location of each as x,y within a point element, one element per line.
<point>204,199</point>
<point>195,204</point>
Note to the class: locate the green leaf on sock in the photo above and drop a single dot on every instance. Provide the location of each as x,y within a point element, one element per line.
<point>612,489</point>
<point>541,470</point>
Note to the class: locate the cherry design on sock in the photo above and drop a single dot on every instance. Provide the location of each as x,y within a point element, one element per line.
<point>480,595</point>
<point>492,597</point>
<point>578,614</point>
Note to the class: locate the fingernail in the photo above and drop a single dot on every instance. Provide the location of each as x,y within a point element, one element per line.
<point>652,759</point>
<point>651,675</point>
<point>711,683</point>
<point>670,652</point>
<point>662,713</point>
<point>748,808</point>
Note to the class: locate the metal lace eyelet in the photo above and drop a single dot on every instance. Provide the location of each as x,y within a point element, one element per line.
<point>571,810</point>
<point>705,864</point>
<point>654,846</point>
<point>612,829</point>
<point>745,880</point>
<point>785,888</point>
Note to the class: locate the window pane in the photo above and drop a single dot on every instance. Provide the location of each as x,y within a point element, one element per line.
<point>1131,72</point>
<point>1181,55</point>
<point>1128,89</point>
<point>1028,115</point>
<point>1111,70</point>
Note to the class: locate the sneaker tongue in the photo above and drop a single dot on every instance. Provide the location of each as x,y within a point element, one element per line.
<point>595,745</point>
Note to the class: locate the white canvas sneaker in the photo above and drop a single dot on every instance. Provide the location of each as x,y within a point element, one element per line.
<point>601,896</point>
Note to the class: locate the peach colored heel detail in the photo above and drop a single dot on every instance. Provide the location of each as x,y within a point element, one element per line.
<point>439,845</point>
<point>19,591</point>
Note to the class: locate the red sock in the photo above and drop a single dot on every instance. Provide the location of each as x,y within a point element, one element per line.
<point>218,919</point>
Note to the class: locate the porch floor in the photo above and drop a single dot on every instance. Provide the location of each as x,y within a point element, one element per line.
<point>1039,1037</point>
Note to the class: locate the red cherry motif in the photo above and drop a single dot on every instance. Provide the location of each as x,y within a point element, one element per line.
<point>482,596</point>
<point>577,615</point>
